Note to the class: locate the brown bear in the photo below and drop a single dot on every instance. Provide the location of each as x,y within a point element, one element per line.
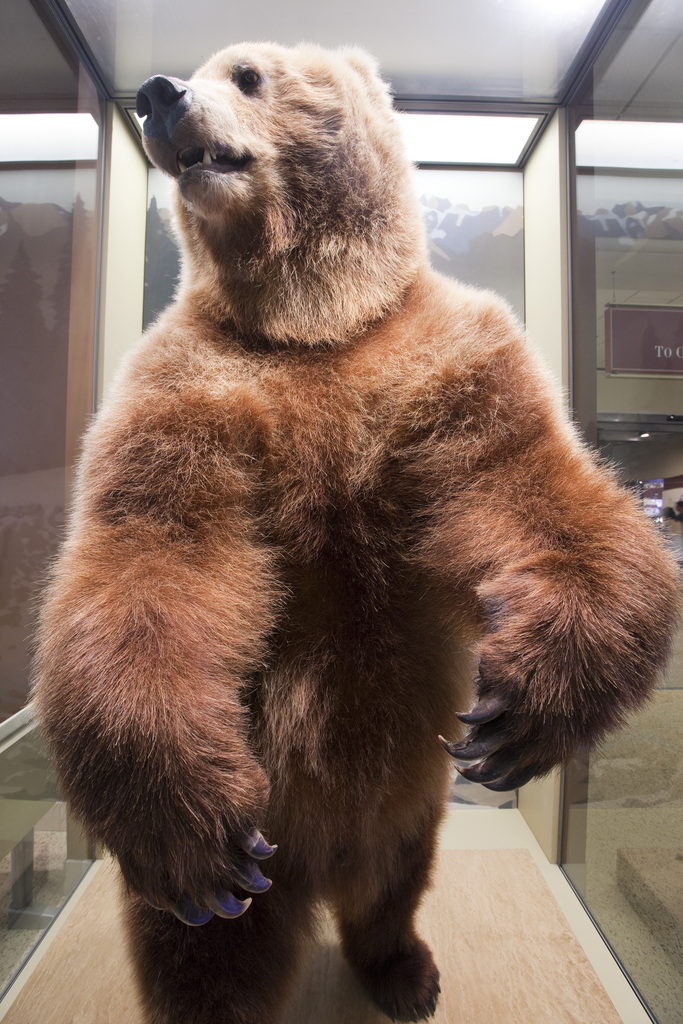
<point>331,500</point>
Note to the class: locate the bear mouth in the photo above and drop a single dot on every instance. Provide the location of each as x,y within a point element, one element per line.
<point>222,160</point>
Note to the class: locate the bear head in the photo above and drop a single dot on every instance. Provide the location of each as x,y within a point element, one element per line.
<point>295,206</point>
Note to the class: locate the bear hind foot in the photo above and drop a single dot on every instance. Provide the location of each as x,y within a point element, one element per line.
<point>404,984</point>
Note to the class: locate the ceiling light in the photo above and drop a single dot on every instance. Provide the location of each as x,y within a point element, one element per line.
<point>647,145</point>
<point>37,138</point>
<point>466,138</point>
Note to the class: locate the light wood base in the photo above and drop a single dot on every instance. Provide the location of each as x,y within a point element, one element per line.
<point>504,948</point>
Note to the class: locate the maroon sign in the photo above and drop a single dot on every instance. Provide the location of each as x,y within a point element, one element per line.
<point>644,339</point>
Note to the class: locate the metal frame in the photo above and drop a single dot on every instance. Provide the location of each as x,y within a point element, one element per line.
<point>56,16</point>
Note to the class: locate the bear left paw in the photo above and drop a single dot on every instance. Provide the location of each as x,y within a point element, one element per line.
<point>504,762</point>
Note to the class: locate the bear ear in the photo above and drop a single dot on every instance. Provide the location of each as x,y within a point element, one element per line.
<point>368,69</point>
<point>360,61</point>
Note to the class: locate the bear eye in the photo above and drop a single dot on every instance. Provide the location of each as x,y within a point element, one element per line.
<point>247,79</point>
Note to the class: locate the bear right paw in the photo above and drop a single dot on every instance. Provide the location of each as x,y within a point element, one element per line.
<point>405,984</point>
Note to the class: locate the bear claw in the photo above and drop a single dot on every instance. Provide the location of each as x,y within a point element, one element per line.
<point>228,906</point>
<point>497,768</point>
<point>471,748</point>
<point>187,911</point>
<point>248,875</point>
<point>254,844</point>
<point>245,872</point>
<point>512,781</point>
<point>485,711</point>
<point>499,772</point>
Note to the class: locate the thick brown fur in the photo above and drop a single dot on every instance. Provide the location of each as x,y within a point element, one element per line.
<point>327,484</point>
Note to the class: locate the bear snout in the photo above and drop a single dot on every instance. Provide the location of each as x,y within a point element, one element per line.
<point>162,102</point>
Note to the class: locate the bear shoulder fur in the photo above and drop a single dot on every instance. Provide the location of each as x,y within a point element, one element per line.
<point>331,499</point>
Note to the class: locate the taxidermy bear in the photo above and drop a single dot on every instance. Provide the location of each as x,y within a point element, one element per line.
<point>331,502</point>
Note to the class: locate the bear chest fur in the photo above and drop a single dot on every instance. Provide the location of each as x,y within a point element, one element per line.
<point>358,639</point>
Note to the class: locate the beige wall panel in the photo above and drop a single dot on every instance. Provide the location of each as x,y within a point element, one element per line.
<point>545,249</point>
<point>123,263</point>
<point>539,804</point>
<point>547,321</point>
<point>640,394</point>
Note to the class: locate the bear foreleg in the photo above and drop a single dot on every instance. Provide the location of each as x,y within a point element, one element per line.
<point>576,596</point>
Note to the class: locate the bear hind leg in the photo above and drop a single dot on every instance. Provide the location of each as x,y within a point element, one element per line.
<point>403,982</point>
<point>394,965</point>
<point>224,972</point>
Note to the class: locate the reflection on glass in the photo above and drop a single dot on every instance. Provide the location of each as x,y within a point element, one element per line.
<point>624,837</point>
<point>48,258</point>
<point>475,226</point>
<point>465,138</point>
<point>162,262</point>
<point>26,138</point>
<point>625,806</point>
<point>623,827</point>
<point>653,145</point>
<point>43,854</point>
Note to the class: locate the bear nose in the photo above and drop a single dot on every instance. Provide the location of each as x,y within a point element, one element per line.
<point>162,102</point>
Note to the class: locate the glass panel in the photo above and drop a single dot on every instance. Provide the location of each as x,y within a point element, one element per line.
<point>49,229</point>
<point>43,854</point>
<point>162,260</point>
<point>49,235</point>
<point>625,802</point>
<point>622,844</point>
<point>643,80</point>
<point>475,225</point>
<point>466,138</point>
<point>491,48</point>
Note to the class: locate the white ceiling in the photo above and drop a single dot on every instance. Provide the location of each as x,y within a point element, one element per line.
<point>518,50</point>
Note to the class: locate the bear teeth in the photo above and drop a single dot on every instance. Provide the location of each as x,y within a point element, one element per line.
<point>222,160</point>
<point>191,157</point>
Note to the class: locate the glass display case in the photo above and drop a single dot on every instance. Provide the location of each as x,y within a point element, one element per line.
<point>622,844</point>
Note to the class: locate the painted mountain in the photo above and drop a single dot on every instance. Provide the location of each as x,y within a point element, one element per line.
<point>36,242</point>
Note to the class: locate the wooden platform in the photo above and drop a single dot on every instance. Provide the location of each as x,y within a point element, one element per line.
<point>504,948</point>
